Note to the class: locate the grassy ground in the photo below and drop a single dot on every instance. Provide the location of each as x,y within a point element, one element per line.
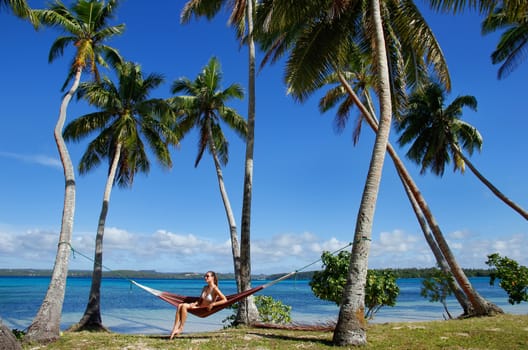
<point>500,332</point>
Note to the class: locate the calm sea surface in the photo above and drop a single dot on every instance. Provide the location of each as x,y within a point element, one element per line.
<point>126,308</point>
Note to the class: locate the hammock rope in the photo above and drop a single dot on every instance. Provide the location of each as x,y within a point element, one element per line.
<point>177,299</point>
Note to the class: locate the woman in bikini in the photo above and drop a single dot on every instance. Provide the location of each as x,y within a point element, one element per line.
<point>211,296</point>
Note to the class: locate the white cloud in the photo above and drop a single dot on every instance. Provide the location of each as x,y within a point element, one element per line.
<point>187,244</point>
<point>514,247</point>
<point>40,159</point>
<point>456,246</point>
<point>330,245</point>
<point>118,238</point>
<point>304,246</point>
<point>8,245</point>
<point>29,249</point>
<point>395,241</point>
<point>459,234</point>
<point>398,249</point>
<point>177,252</point>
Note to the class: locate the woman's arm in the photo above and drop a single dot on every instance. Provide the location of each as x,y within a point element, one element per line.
<point>220,298</point>
<point>220,295</point>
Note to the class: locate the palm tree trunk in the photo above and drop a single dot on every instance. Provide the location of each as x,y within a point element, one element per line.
<point>91,320</point>
<point>351,324</point>
<point>46,324</point>
<point>478,306</point>
<point>406,179</point>
<point>235,249</point>
<point>442,263</point>
<point>247,311</point>
<point>492,188</point>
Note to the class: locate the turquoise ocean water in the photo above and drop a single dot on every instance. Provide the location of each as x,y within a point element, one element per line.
<point>126,308</point>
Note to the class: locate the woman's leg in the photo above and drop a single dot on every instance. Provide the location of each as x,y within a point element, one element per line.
<point>177,321</point>
<point>183,317</point>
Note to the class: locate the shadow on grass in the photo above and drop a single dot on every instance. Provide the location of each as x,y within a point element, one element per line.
<point>267,335</point>
<point>309,338</point>
<point>189,336</point>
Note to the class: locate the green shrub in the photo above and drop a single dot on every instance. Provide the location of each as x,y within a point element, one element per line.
<point>513,277</point>
<point>270,311</point>
<point>437,287</point>
<point>381,288</point>
<point>18,334</point>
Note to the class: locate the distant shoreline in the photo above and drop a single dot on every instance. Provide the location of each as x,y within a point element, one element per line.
<point>399,273</point>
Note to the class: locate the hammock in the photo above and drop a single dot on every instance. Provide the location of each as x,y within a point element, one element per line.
<point>176,299</point>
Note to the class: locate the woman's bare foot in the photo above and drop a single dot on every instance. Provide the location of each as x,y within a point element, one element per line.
<point>175,333</point>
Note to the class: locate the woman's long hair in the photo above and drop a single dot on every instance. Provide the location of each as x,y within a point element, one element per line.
<point>212,273</point>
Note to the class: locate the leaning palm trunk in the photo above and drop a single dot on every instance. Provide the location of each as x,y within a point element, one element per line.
<point>227,206</point>
<point>351,324</point>
<point>442,263</point>
<point>46,324</point>
<point>492,188</point>
<point>91,320</point>
<point>479,306</point>
<point>247,311</point>
<point>406,178</point>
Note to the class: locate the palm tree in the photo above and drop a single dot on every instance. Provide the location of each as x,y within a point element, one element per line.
<point>323,45</point>
<point>242,13</point>
<point>438,135</point>
<point>346,96</point>
<point>86,21</point>
<point>353,304</point>
<point>127,120</point>
<point>511,15</point>
<point>482,6</point>
<point>204,107</point>
<point>410,35</point>
<point>326,32</point>
<point>19,7</point>
<point>359,73</point>
<point>470,300</point>
<point>511,49</point>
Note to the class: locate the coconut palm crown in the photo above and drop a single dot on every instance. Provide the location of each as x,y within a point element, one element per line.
<point>20,8</point>
<point>436,132</point>
<point>126,116</point>
<point>512,48</point>
<point>86,25</point>
<point>204,107</point>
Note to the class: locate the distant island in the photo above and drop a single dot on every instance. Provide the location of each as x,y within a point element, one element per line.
<point>152,274</point>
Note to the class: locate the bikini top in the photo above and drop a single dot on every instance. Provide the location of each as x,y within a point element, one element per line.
<point>207,296</point>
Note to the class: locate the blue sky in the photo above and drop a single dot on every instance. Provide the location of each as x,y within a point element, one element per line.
<point>308,180</point>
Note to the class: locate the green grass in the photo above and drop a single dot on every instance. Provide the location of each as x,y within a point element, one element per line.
<point>499,332</point>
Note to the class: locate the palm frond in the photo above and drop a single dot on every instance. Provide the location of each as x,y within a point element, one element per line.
<point>420,45</point>
<point>457,6</point>
<point>199,8</point>
<point>469,136</point>
<point>83,126</point>
<point>85,22</point>
<point>316,52</point>
<point>435,132</point>
<point>127,115</point>
<point>95,152</point>
<point>512,50</point>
